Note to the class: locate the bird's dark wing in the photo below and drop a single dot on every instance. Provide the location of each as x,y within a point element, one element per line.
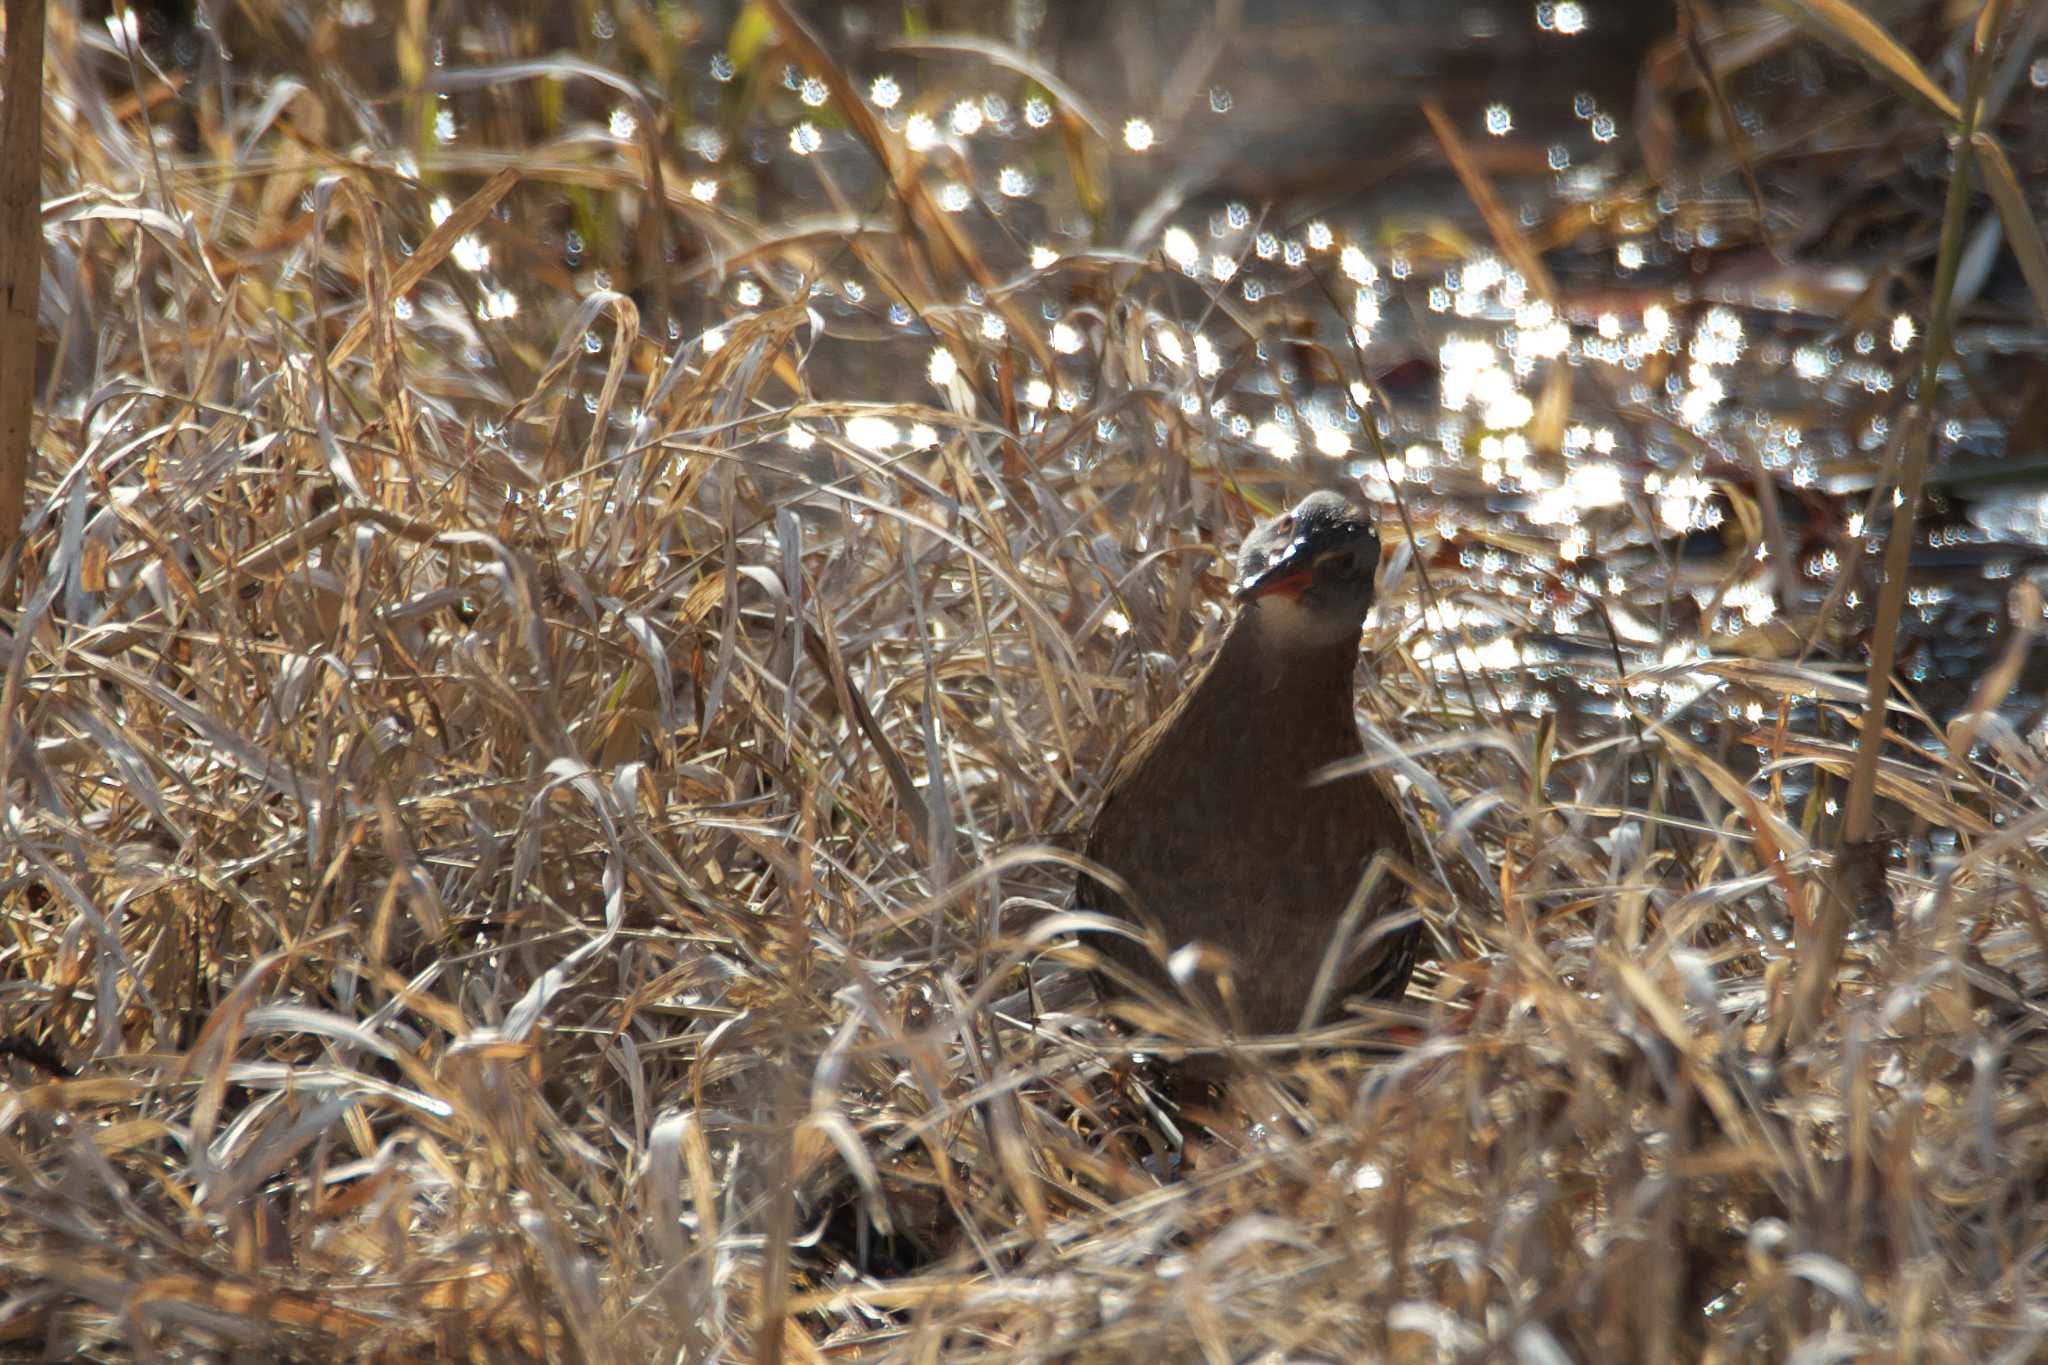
<point>1387,959</point>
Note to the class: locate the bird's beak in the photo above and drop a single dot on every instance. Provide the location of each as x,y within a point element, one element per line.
<point>1269,584</point>
<point>1288,576</point>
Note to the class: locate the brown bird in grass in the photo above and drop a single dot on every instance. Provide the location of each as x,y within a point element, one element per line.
<point>1213,819</point>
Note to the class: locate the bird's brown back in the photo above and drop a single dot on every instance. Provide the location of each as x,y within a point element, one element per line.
<point>1211,820</point>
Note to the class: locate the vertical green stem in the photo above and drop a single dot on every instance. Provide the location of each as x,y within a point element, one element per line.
<point>1859,821</point>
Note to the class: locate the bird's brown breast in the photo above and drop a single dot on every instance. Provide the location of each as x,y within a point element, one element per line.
<point>1213,822</point>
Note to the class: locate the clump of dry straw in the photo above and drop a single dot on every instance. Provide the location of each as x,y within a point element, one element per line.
<point>528,801</point>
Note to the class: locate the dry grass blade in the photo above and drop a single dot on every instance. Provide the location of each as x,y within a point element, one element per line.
<point>934,228</point>
<point>2022,232</point>
<point>1992,690</point>
<point>1731,126</point>
<point>1856,33</point>
<point>1553,409</point>
<point>1004,55</point>
<point>462,220</point>
<point>1507,234</point>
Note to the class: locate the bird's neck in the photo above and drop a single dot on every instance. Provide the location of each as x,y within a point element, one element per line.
<point>1278,695</point>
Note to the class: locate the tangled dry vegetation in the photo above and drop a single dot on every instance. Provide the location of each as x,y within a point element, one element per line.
<point>530,839</point>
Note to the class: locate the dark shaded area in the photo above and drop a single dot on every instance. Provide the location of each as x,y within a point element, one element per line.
<point>1323,99</point>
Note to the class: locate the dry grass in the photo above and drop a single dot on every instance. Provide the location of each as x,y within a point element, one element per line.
<point>528,836</point>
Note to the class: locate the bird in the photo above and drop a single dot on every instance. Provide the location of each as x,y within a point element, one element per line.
<point>1215,818</point>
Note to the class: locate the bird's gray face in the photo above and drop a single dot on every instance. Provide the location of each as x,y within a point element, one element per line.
<point>1308,574</point>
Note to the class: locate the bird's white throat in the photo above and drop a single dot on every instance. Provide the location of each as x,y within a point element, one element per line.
<point>1284,624</point>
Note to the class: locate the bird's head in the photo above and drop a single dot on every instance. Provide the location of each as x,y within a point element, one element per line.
<point>1307,575</point>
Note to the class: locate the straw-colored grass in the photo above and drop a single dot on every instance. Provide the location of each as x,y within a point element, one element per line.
<point>538,835</point>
